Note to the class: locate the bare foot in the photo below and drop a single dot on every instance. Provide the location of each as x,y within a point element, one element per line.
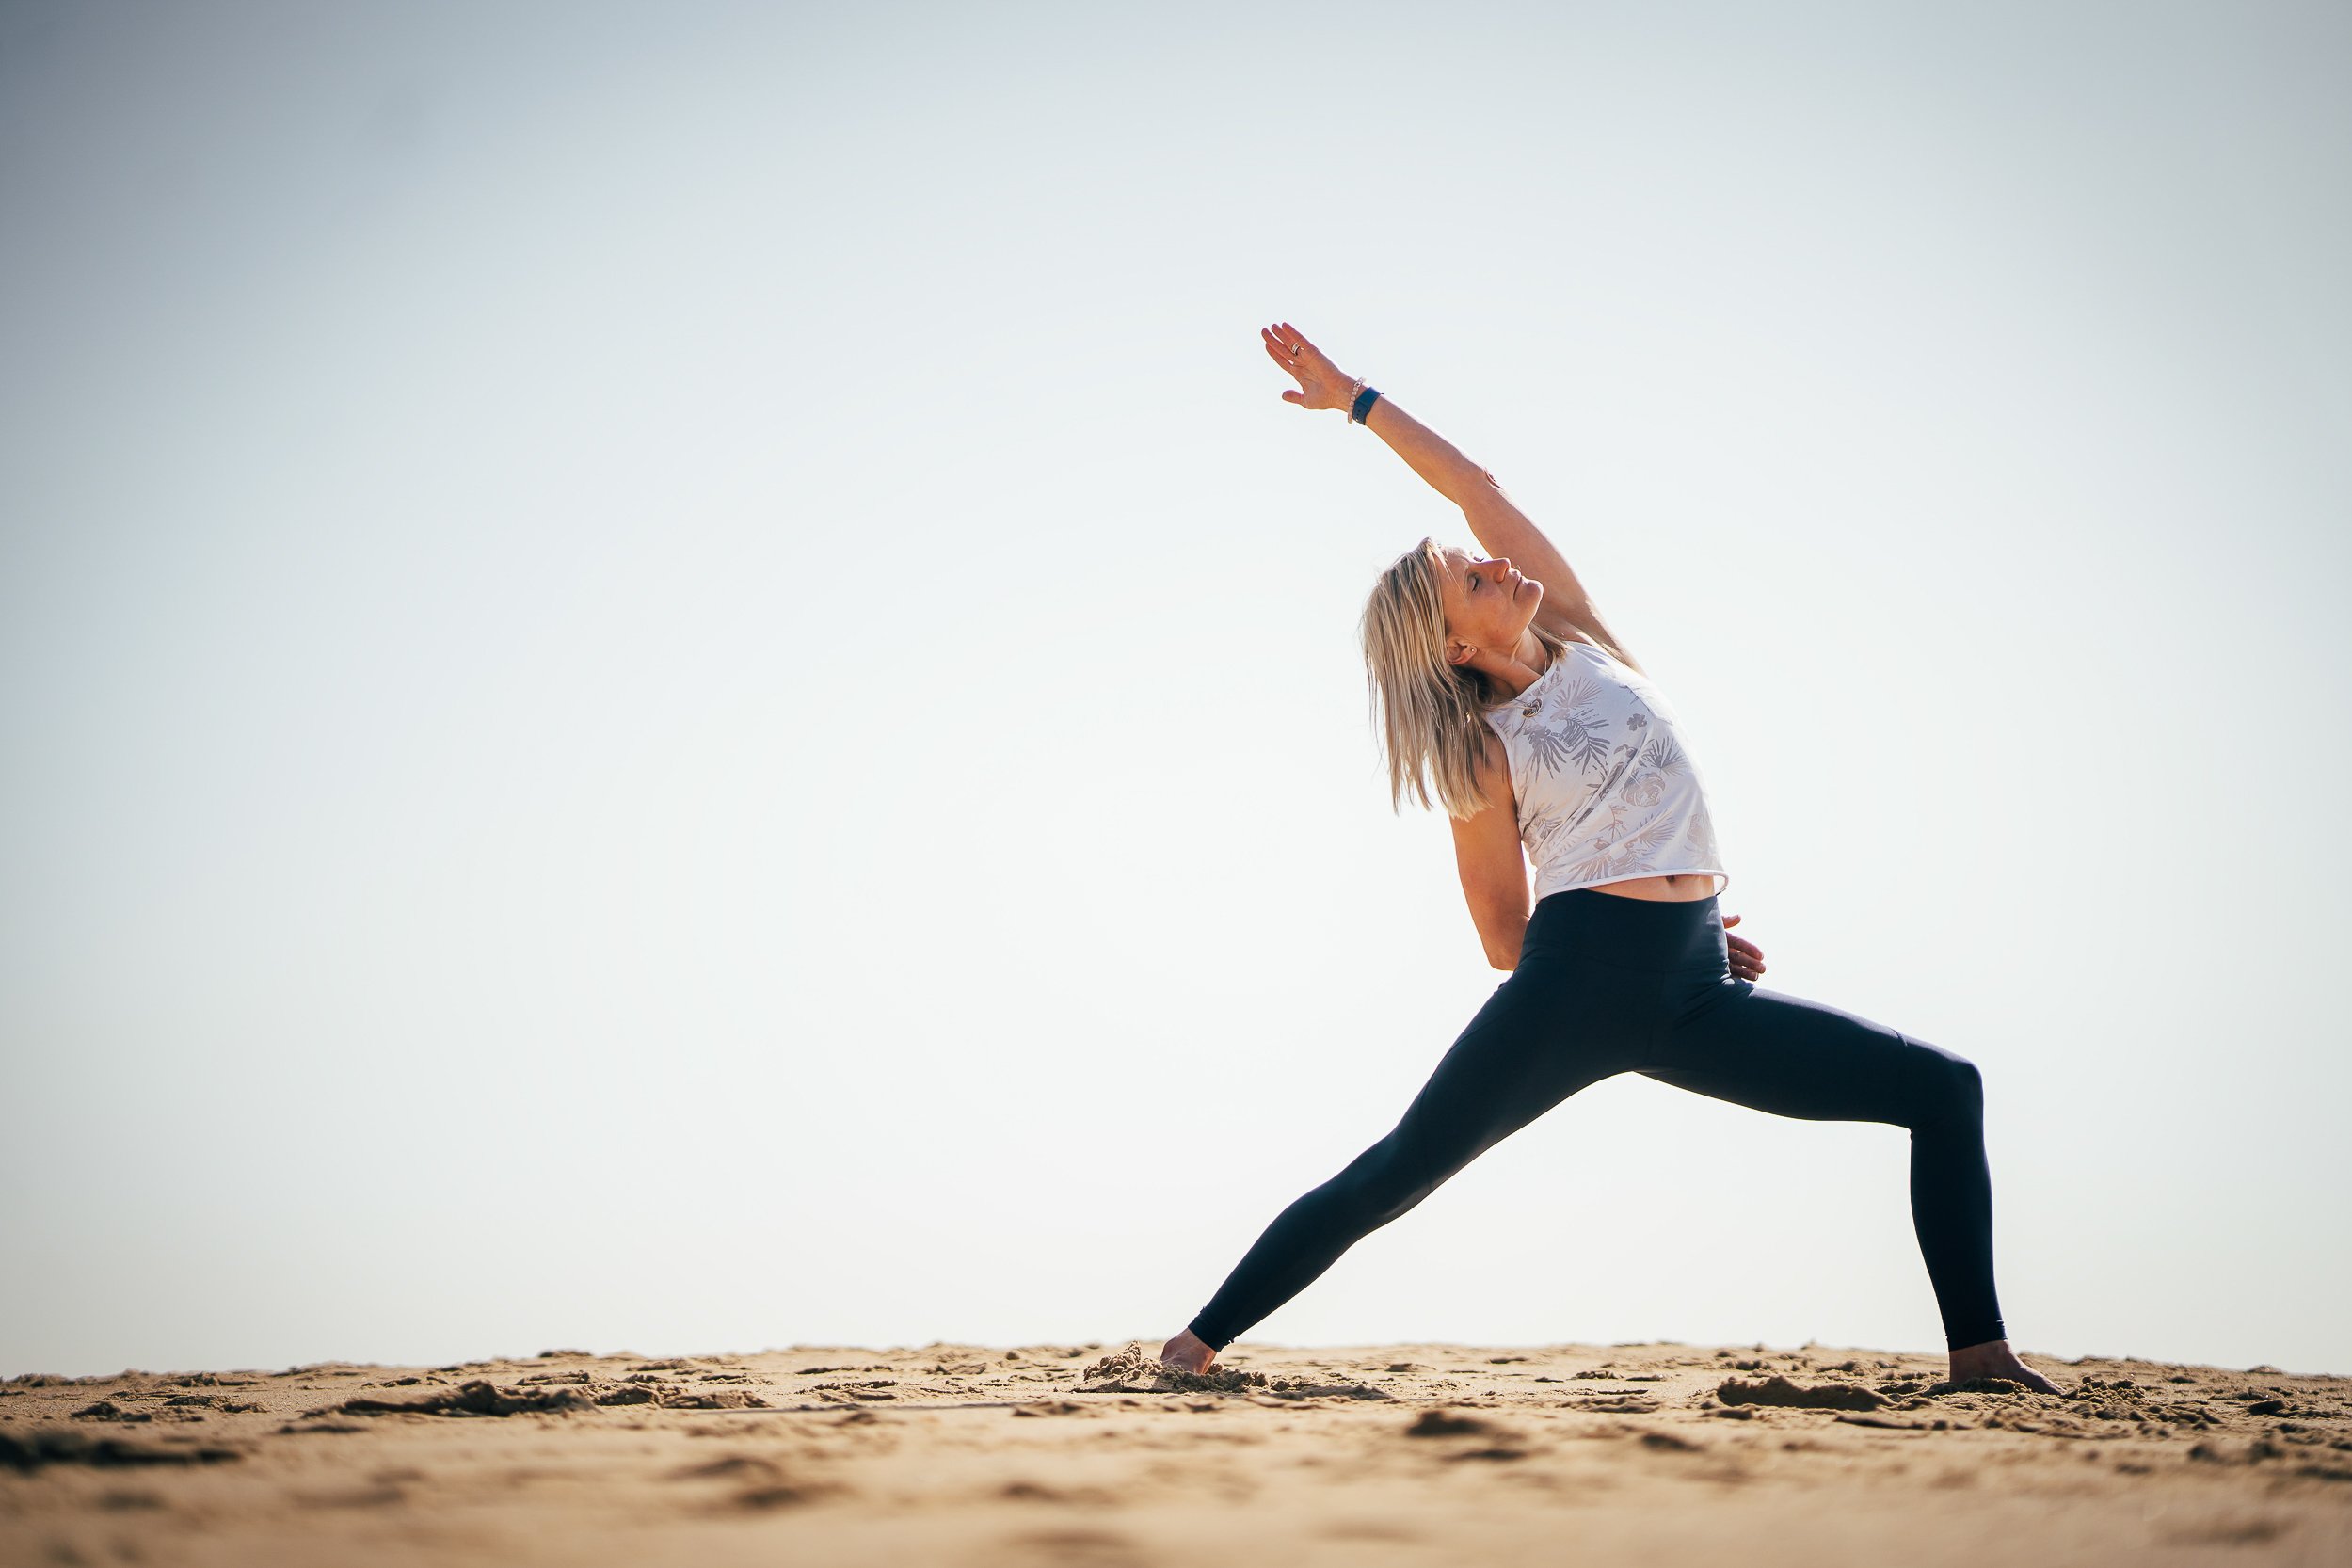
<point>1187,1353</point>
<point>1995,1359</point>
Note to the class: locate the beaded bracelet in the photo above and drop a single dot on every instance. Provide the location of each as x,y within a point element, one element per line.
<point>1365,397</point>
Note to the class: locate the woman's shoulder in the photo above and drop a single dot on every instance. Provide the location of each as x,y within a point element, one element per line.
<point>1588,632</point>
<point>1491,768</point>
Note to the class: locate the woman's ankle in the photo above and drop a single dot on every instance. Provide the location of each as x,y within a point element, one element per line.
<point>1994,1358</point>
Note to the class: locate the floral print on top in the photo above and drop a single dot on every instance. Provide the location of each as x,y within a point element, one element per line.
<point>1606,790</point>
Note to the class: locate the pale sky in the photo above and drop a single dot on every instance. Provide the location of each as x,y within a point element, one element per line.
<point>671,679</point>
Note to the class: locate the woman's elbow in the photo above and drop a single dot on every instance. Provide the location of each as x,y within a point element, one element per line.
<point>1503,943</point>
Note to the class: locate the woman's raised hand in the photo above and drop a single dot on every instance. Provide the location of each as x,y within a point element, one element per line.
<point>1321,384</point>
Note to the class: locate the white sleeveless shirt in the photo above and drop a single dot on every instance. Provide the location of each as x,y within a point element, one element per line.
<point>1606,790</point>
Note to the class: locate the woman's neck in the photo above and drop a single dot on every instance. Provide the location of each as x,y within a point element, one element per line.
<point>1523,666</point>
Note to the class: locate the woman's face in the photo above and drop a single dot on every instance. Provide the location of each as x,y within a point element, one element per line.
<point>1488,605</point>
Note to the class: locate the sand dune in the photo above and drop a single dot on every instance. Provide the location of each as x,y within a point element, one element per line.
<point>1090,1456</point>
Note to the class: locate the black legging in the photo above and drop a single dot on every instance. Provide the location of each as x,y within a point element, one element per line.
<point>1608,985</point>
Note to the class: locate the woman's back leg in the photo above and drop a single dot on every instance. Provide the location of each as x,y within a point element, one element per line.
<point>1543,1036</point>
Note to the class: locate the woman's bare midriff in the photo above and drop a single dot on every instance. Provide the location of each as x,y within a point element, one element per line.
<point>1681,888</point>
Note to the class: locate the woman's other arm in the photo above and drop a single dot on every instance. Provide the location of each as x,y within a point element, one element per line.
<point>1493,516</point>
<point>1494,869</point>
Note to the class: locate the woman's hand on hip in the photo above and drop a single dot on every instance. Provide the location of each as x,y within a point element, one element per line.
<point>1747,958</point>
<point>1321,384</point>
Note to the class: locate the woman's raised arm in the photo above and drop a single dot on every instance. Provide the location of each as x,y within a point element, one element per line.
<point>1321,385</point>
<point>1493,516</point>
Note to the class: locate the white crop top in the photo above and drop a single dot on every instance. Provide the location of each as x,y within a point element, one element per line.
<point>1606,789</point>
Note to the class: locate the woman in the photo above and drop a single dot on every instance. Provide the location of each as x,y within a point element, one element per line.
<point>1546,739</point>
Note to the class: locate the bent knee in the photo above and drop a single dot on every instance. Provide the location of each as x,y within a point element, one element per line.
<point>1957,1086</point>
<point>1968,1086</point>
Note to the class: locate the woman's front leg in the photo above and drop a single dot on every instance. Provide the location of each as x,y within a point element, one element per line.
<point>1795,1057</point>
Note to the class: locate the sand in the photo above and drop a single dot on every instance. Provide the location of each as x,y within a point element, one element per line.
<point>1079,1456</point>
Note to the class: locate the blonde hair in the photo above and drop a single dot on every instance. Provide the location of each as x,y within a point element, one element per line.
<point>1431,715</point>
